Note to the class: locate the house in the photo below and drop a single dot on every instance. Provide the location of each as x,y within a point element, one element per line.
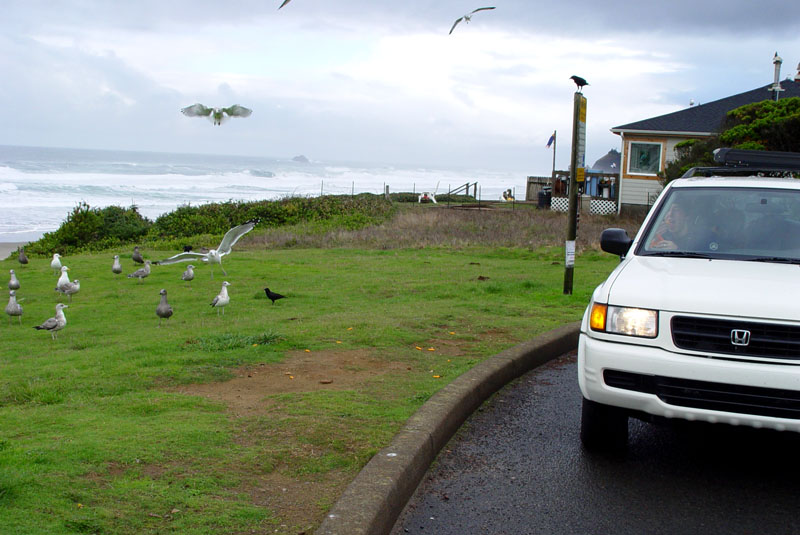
<point>649,144</point>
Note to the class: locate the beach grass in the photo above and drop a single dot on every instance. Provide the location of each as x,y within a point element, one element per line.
<point>121,426</point>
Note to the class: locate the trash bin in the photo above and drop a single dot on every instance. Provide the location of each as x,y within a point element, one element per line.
<point>544,198</point>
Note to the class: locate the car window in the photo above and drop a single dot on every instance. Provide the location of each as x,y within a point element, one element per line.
<point>747,223</point>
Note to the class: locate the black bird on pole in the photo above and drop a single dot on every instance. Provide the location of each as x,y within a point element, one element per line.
<point>580,82</point>
<point>272,295</point>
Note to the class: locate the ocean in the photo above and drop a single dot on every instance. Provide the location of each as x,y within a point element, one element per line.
<point>40,186</point>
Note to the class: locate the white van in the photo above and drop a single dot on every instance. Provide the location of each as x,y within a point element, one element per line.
<point>701,318</point>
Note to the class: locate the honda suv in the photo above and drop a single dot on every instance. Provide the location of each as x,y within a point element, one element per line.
<point>701,318</point>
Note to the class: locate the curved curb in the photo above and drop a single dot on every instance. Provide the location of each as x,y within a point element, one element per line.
<point>373,501</point>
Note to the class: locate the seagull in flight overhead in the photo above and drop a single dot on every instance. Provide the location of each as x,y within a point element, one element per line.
<point>284,3</point>
<point>214,256</point>
<point>216,115</point>
<point>468,17</point>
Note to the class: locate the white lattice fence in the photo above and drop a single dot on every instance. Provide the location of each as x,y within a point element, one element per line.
<point>602,207</point>
<point>559,204</point>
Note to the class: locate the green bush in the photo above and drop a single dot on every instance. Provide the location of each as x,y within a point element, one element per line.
<point>93,229</point>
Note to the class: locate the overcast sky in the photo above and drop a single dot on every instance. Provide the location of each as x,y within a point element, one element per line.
<point>375,80</point>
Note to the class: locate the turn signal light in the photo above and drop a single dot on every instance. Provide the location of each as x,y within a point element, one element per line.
<point>597,318</point>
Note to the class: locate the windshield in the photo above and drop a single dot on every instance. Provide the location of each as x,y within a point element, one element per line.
<point>756,224</point>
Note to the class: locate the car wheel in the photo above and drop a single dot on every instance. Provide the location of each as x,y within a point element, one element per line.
<point>603,427</point>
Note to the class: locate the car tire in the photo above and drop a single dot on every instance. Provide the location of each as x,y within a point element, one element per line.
<point>603,428</point>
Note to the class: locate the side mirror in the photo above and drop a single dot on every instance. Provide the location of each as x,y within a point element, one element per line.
<point>615,241</point>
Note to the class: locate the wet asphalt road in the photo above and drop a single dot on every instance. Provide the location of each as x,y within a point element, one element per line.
<point>517,467</point>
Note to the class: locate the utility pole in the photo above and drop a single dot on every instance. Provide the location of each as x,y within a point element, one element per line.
<point>576,174</point>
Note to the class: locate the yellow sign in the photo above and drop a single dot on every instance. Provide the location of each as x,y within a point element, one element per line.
<point>582,114</point>
<point>580,174</point>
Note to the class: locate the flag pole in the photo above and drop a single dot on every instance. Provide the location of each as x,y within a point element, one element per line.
<point>555,142</point>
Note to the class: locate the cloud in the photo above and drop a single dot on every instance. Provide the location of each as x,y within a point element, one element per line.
<point>376,81</point>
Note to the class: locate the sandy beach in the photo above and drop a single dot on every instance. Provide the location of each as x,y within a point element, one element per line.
<point>6,248</point>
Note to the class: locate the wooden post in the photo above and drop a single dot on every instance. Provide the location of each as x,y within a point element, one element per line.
<point>576,174</point>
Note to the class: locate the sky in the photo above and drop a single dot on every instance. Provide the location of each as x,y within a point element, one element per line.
<point>375,80</point>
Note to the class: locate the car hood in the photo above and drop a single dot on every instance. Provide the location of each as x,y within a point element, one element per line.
<point>700,286</point>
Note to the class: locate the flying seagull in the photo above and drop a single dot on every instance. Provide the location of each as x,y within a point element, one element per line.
<point>468,17</point>
<point>284,3</point>
<point>216,115</point>
<point>163,310</point>
<point>13,308</point>
<point>214,256</point>
<point>56,323</point>
<point>272,295</point>
<point>222,298</point>
<point>580,82</point>
<point>142,272</point>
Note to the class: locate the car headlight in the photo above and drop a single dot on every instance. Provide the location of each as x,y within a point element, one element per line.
<point>624,320</point>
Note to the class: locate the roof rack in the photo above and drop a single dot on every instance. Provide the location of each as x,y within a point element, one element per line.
<point>740,162</point>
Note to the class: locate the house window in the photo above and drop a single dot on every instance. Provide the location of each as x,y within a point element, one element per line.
<point>644,158</point>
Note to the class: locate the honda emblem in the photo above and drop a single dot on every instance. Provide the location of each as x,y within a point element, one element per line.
<point>740,337</point>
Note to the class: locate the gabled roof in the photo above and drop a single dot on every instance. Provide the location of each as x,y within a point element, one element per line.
<point>706,118</point>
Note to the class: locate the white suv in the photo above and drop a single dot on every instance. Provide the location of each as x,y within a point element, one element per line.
<point>701,319</point>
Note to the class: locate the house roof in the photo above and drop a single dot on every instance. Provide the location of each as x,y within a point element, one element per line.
<point>706,118</point>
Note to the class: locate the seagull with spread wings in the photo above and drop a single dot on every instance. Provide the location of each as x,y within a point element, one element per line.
<point>284,3</point>
<point>468,17</point>
<point>214,256</point>
<point>216,115</point>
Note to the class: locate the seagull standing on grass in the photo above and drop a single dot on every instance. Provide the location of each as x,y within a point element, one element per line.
<point>142,272</point>
<point>116,267</point>
<point>188,275</point>
<point>222,299</point>
<point>216,115</point>
<point>163,310</point>
<point>55,263</point>
<point>56,323</point>
<point>23,258</point>
<point>70,288</point>
<point>13,308</point>
<point>13,283</point>
<point>468,17</point>
<point>214,256</point>
<point>63,279</point>
<point>137,255</point>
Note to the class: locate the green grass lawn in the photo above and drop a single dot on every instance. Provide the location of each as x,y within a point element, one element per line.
<point>97,437</point>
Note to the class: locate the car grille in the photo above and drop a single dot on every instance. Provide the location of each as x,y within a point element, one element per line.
<point>768,340</point>
<point>710,396</point>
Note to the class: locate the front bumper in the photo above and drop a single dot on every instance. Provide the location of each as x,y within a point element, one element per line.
<point>742,385</point>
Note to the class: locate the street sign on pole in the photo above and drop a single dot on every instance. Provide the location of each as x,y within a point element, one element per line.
<point>577,173</point>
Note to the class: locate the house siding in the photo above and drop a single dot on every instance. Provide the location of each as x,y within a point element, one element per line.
<point>641,192</point>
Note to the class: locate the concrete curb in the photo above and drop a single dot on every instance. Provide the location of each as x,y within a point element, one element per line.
<point>372,502</point>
